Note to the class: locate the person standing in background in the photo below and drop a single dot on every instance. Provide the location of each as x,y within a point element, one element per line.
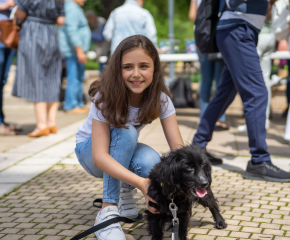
<point>127,20</point>
<point>75,39</point>
<point>237,37</point>
<point>6,56</point>
<point>38,60</point>
<point>97,25</point>
<point>210,70</point>
<point>266,45</point>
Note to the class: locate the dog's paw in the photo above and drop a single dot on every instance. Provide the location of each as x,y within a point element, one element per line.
<point>221,224</point>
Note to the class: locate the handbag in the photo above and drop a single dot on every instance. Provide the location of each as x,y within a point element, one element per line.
<point>9,30</point>
<point>9,33</point>
<point>280,13</point>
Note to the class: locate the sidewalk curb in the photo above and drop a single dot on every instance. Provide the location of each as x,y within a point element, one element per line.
<point>21,164</point>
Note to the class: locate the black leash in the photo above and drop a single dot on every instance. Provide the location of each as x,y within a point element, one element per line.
<point>106,223</point>
<point>102,225</point>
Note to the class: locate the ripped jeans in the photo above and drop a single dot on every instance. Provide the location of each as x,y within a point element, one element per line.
<point>125,149</point>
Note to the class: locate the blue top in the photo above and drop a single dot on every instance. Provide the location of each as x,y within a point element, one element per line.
<point>251,12</point>
<point>5,13</point>
<point>75,32</point>
<point>127,20</point>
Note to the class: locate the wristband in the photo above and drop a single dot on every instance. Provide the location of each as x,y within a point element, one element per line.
<point>288,18</point>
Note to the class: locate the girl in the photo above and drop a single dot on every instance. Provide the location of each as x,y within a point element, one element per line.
<point>130,94</point>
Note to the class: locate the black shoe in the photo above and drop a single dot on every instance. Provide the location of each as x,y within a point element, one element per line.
<point>213,160</point>
<point>266,171</point>
<point>220,128</point>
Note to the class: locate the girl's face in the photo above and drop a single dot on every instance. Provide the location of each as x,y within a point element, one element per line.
<point>137,71</point>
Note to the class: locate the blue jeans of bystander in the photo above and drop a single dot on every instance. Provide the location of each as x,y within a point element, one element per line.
<point>75,79</point>
<point>125,149</point>
<point>210,70</point>
<point>6,57</point>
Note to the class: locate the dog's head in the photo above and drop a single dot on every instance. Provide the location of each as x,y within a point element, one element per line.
<point>185,172</point>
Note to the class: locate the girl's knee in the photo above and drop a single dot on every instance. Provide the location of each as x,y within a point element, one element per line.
<point>148,162</point>
<point>129,136</point>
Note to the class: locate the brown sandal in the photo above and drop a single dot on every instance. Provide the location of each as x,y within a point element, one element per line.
<point>6,131</point>
<point>43,132</point>
<point>53,129</point>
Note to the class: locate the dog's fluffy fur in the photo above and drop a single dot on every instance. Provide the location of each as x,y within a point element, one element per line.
<point>183,175</point>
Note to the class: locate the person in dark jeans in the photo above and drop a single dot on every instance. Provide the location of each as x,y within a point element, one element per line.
<point>237,36</point>
<point>6,56</point>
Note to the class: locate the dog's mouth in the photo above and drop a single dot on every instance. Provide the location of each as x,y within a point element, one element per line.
<point>200,192</point>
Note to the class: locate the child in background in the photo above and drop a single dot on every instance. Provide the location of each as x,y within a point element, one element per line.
<point>130,94</point>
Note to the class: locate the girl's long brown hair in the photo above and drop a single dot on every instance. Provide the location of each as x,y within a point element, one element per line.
<point>113,100</point>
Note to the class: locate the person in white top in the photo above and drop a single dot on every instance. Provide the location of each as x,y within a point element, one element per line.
<point>127,20</point>
<point>130,94</point>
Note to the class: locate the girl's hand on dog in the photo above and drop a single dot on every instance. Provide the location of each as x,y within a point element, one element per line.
<point>144,189</point>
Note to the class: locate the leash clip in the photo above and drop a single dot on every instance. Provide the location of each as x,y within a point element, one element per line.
<point>173,208</point>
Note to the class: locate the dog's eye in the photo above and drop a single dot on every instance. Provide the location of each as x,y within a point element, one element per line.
<point>202,166</point>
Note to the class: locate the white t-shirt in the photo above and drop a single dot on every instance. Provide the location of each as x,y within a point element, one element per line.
<point>197,2</point>
<point>85,131</point>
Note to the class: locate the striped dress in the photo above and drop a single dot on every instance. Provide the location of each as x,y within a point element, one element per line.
<point>38,59</point>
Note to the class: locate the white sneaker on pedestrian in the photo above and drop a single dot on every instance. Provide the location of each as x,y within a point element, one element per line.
<point>113,231</point>
<point>128,204</point>
<point>243,128</point>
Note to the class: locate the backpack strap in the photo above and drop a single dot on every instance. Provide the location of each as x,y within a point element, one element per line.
<point>224,9</point>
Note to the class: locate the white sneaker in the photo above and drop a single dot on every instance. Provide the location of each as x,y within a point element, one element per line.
<point>243,128</point>
<point>128,204</point>
<point>113,231</point>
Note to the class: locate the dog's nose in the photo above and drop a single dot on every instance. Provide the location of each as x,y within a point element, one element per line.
<point>203,182</point>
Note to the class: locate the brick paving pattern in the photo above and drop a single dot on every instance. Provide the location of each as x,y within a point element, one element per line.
<point>58,205</point>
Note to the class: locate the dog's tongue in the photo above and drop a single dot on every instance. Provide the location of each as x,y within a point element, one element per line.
<point>200,192</point>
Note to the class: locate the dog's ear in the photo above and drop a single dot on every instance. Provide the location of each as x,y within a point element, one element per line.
<point>171,174</point>
<point>207,170</point>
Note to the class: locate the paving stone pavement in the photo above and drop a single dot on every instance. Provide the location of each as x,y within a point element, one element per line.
<point>58,205</point>
<point>45,194</point>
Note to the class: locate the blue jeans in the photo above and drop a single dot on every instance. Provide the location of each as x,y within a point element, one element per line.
<point>74,88</point>
<point>6,57</point>
<point>209,70</point>
<point>241,73</point>
<point>124,148</point>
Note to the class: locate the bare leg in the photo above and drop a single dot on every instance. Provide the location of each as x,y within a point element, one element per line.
<point>41,115</point>
<point>41,118</point>
<point>52,108</point>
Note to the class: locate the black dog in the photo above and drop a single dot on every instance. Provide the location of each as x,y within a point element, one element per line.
<point>183,175</point>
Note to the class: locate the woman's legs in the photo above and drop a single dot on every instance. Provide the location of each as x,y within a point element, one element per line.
<point>206,68</point>
<point>52,108</point>
<point>41,129</point>
<point>74,92</point>
<point>45,114</point>
<point>41,115</point>
<point>209,70</point>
